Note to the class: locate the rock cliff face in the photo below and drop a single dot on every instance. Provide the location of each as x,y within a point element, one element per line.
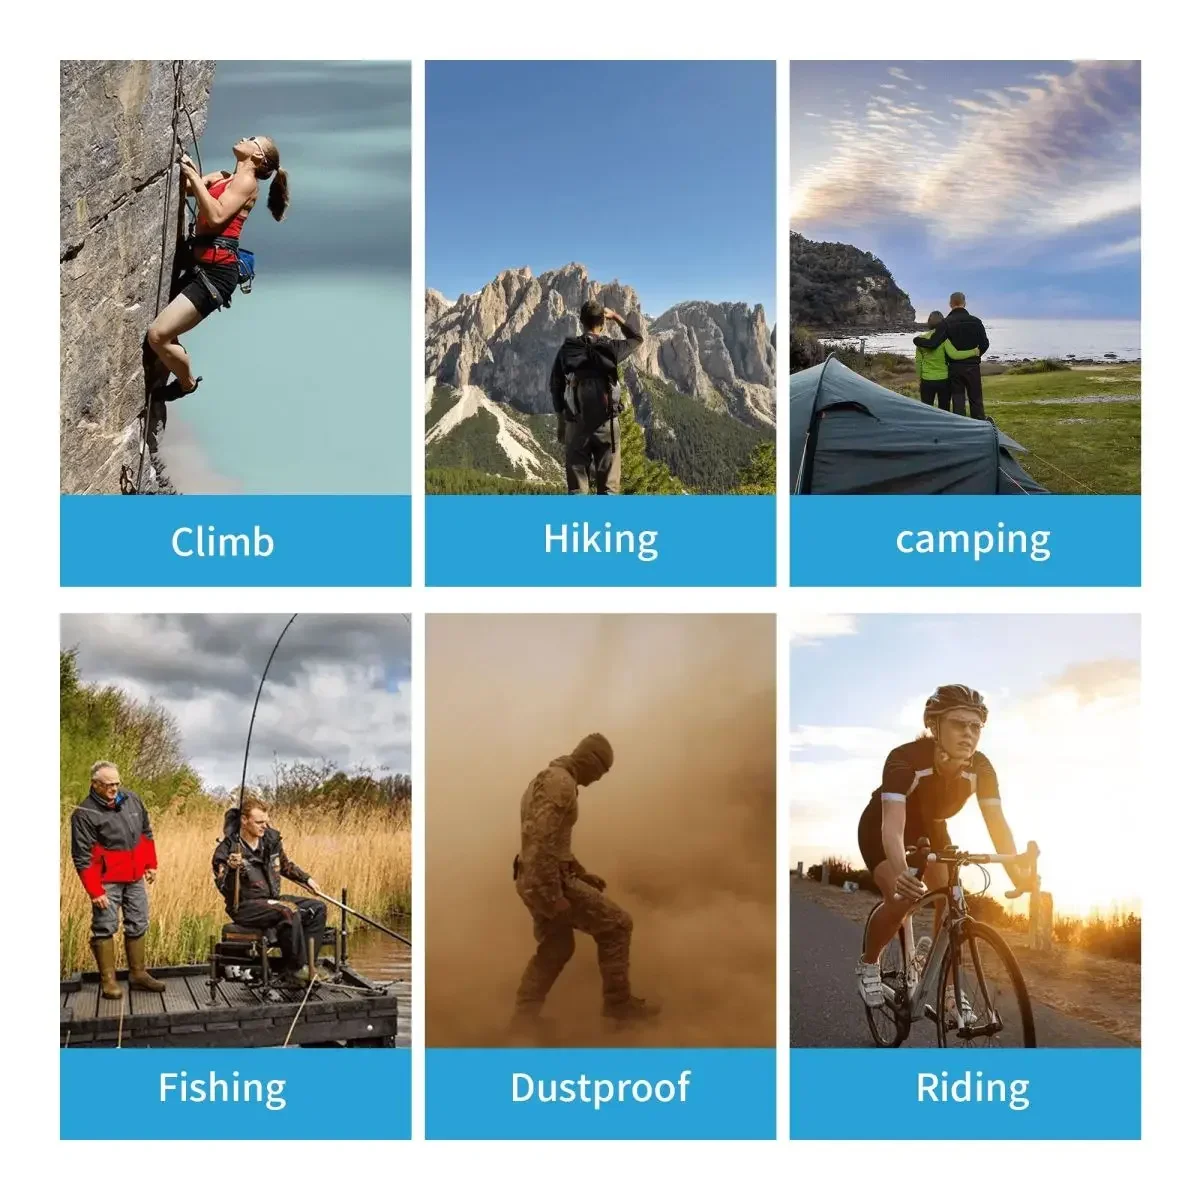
<point>834,285</point>
<point>503,340</point>
<point>120,215</point>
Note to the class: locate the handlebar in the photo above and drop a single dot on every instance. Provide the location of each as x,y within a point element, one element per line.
<point>921,856</point>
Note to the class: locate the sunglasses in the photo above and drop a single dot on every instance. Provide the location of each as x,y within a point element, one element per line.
<point>972,727</point>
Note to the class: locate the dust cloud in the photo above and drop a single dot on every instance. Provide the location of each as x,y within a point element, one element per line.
<point>682,828</point>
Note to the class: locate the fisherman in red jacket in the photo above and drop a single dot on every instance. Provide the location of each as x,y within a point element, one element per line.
<point>112,847</point>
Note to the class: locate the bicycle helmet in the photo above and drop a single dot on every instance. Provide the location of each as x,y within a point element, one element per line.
<point>954,695</point>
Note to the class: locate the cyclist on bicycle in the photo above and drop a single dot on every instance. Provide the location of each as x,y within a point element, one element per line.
<point>925,782</point>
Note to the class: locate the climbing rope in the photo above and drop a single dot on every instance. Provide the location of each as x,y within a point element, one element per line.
<point>177,104</point>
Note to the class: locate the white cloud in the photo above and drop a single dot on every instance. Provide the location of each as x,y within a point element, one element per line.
<point>813,628</point>
<point>1106,254</point>
<point>1017,164</point>
<point>853,739</point>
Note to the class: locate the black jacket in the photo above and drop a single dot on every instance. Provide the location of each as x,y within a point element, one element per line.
<point>262,868</point>
<point>593,360</point>
<point>964,331</point>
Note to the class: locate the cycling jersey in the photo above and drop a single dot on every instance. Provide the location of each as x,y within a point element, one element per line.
<point>929,799</point>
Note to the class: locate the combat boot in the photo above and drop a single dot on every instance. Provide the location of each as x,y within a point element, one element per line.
<point>106,964</point>
<point>527,1026</point>
<point>632,1008</point>
<point>139,977</point>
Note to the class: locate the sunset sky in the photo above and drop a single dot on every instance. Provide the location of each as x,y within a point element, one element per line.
<point>1063,694</point>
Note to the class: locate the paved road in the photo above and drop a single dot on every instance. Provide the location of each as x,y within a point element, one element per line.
<point>825,1006</point>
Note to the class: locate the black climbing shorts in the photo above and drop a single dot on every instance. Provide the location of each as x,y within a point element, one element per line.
<point>224,278</point>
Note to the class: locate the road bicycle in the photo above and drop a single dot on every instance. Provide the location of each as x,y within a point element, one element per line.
<point>970,984</point>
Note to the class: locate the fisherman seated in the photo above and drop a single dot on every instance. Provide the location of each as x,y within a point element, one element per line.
<point>248,867</point>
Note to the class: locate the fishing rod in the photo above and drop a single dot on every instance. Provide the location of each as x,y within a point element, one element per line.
<point>374,924</point>
<point>237,879</point>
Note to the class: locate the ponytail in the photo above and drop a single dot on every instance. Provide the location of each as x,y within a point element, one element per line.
<point>277,197</point>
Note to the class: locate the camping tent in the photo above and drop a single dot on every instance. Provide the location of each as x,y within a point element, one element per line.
<point>850,435</point>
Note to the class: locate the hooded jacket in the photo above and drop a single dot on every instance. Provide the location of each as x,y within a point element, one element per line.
<point>549,810</point>
<point>111,843</point>
<point>593,359</point>
<point>263,868</point>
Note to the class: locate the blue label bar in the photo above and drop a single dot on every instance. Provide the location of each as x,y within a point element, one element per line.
<point>236,541</point>
<point>939,1094</point>
<point>244,1095</point>
<point>966,541</point>
<point>600,541</point>
<point>598,1094</point>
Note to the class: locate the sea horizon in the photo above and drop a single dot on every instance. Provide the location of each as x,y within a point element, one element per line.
<point>1015,338</point>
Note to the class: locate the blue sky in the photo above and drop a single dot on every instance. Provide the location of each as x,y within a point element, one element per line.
<point>1016,182</point>
<point>319,352</point>
<point>1063,691</point>
<point>669,185</point>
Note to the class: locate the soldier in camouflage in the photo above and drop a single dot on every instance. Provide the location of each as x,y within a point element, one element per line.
<point>561,895</point>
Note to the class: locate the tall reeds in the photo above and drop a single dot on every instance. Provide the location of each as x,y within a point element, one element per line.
<point>366,849</point>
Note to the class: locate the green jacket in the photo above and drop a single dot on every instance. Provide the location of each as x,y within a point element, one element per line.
<point>931,364</point>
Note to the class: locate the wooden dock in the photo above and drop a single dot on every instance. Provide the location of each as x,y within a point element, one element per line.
<point>185,1015</point>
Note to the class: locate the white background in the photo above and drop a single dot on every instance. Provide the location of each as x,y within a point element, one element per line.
<point>1161,820</point>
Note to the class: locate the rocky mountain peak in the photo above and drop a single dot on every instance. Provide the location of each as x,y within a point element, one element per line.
<point>503,339</point>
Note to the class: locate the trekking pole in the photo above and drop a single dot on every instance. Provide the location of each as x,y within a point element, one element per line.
<point>374,924</point>
<point>237,879</point>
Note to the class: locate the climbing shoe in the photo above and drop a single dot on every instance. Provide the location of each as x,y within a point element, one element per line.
<point>106,964</point>
<point>174,390</point>
<point>632,1009</point>
<point>139,977</point>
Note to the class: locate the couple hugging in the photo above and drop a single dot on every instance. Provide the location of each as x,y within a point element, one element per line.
<point>948,359</point>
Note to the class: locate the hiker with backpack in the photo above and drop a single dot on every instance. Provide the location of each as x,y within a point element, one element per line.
<point>585,387</point>
<point>223,202</point>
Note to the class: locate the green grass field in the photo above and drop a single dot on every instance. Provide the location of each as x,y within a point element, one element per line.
<point>1082,427</point>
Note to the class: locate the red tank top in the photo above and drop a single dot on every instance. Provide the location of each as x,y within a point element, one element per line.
<point>233,228</point>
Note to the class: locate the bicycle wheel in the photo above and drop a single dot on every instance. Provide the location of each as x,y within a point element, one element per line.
<point>889,1025</point>
<point>997,1012</point>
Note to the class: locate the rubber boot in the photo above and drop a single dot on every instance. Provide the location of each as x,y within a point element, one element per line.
<point>135,951</point>
<point>106,964</point>
<point>632,1009</point>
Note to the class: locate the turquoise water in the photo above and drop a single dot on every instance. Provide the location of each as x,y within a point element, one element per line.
<point>306,389</point>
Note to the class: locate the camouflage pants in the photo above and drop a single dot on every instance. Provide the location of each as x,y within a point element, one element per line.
<point>590,912</point>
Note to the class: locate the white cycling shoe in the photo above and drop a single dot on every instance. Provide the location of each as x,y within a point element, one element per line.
<point>952,1012</point>
<point>921,955</point>
<point>870,983</point>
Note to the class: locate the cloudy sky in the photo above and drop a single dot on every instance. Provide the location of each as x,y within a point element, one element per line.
<point>1016,182</point>
<point>1063,694</point>
<point>660,174</point>
<point>340,687</point>
<point>319,351</point>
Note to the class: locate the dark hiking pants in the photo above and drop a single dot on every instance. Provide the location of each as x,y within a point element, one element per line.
<point>598,451</point>
<point>966,387</point>
<point>294,918</point>
<point>936,390</point>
